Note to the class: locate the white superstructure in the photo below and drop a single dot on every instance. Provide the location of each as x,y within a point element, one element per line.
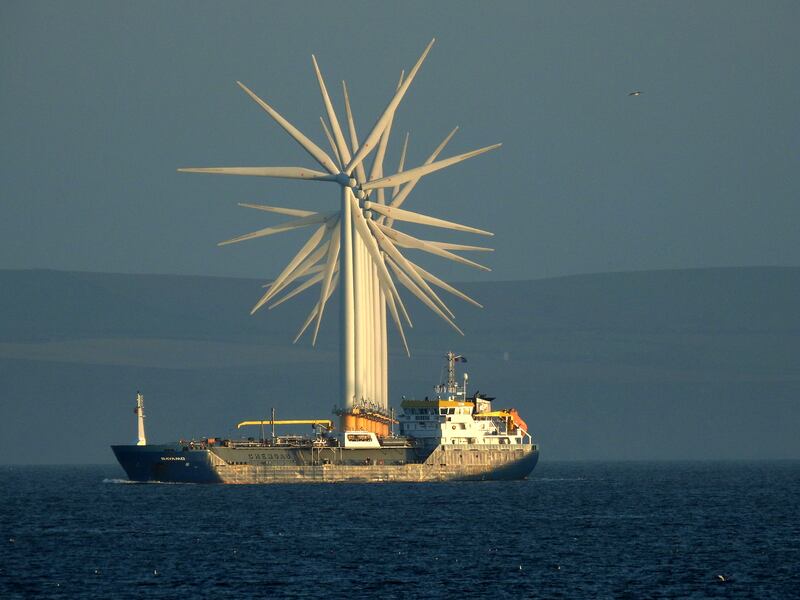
<point>453,418</point>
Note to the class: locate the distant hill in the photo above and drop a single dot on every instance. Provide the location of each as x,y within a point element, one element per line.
<point>642,365</point>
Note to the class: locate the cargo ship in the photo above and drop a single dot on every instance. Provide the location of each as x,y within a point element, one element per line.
<point>447,437</point>
<point>359,249</point>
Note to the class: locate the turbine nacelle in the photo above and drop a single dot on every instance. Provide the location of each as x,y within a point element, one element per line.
<point>345,180</point>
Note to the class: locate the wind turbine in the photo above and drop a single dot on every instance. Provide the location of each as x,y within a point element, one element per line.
<point>357,247</point>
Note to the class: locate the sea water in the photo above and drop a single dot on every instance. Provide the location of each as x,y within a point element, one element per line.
<point>573,530</point>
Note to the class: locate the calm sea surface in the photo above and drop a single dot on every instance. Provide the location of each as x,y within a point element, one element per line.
<point>574,530</point>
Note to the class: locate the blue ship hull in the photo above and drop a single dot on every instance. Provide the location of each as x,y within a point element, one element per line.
<point>167,463</point>
<point>178,463</point>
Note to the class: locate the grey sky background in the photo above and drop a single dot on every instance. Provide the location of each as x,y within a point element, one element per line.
<point>100,103</point>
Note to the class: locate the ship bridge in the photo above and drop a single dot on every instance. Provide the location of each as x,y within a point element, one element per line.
<point>446,421</point>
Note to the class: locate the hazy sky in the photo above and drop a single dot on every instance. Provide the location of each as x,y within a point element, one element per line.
<point>100,102</point>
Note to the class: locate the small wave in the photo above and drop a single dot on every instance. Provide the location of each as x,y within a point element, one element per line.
<point>128,481</point>
<point>559,479</point>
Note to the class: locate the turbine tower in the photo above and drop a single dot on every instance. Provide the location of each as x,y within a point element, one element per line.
<point>358,247</point>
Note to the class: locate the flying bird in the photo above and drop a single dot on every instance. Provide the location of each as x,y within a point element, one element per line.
<point>635,93</point>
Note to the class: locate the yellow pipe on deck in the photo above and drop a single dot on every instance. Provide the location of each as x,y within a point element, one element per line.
<point>327,423</point>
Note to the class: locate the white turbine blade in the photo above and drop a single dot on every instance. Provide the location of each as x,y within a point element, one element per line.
<point>389,247</point>
<point>393,311</point>
<point>398,258</point>
<point>372,247</point>
<point>281,172</point>
<point>305,268</point>
<point>401,165</point>
<point>441,146</point>
<point>330,266</point>
<point>351,125</point>
<point>344,152</point>
<point>294,271</point>
<point>390,292</point>
<point>380,125</point>
<point>298,258</point>
<point>309,271</point>
<point>313,313</point>
<point>315,151</point>
<point>398,199</point>
<point>444,285</point>
<point>288,226</point>
<point>308,263</point>
<point>449,246</point>
<point>395,295</point>
<point>412,287</point>
<point>417,172</point>
<point>402,162</point>
<point>300,288</point>
<point>330,140</point>
<point>377,164</point>
<point>400,214</point>
<point>291,212</point>
<point>306,323</point>
<point>412,242</point>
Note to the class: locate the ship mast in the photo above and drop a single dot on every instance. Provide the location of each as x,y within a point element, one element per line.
<point>452,385</point>
<point>139,410</point>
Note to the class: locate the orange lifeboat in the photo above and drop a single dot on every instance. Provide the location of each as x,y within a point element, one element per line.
<point>518,421</point>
